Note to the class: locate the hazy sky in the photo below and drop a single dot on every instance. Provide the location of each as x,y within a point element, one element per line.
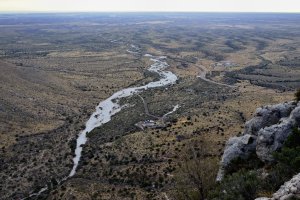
<point>152,5</point>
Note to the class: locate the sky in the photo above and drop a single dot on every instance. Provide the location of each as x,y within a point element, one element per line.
<point>150,5</point>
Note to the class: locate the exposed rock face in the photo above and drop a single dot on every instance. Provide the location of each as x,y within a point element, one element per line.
<point>239,146</point>
<point>271,139</point>
<point>288,190</point>
<point>236,147</point>
<point>267,116</point>
<point>263,134</point>
<point>295,115</point>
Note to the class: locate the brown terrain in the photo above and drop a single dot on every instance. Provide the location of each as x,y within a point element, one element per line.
<point>55,71</point>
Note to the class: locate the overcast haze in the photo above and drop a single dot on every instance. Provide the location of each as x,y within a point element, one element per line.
<point>153,5</point>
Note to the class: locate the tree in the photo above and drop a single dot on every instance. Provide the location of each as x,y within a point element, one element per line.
<point>196,175</point>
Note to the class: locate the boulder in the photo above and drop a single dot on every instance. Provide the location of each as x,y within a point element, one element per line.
<point>271,139</point>
<point>267,116</point>
<point>295,115</point>
<point>236,147</point>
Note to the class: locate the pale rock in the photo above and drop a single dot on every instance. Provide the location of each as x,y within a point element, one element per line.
<point>236,147</point>
<point>271,139</point>
<point>263,134</point>
<point>288,190</point>
<point>267,116</point>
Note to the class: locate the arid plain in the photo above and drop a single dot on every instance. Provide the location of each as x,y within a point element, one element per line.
<point>56,68</point>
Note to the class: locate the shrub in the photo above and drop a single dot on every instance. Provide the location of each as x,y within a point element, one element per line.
<point>242,185</point>
<point>288,163</point>
<point>196,175</point>
<point>276,177</point>
<point>297,95</point>
<point>240,163</point>
<point>290,152</point>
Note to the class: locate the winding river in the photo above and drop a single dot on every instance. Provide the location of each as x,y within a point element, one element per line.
<point>109,107</point>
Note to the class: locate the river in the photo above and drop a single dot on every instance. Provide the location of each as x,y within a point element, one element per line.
<point>109,107</point>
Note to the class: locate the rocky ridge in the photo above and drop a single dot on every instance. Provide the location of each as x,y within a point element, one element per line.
<point>264,134</point>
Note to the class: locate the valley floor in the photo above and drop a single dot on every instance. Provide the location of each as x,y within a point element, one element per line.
<point>55,75</point>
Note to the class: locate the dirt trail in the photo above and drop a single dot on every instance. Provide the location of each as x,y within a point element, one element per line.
<point>146,108</point>
<point>203,77</point>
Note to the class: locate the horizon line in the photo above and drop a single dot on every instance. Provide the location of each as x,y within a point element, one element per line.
<point>146,11</point>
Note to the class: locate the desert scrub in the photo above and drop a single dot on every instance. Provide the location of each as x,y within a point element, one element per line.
<point>242,185</point>
<point>196,174</point>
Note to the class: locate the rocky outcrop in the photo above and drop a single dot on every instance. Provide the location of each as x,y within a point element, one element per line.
<point>290,189</point>
<point>263,134</point>
<point>236,147</point>
<point>295,115</point>
<point>267,116</point>
<point>271,139</point>
<point>240,146</point>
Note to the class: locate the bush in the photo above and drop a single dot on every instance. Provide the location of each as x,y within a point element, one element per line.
<point>276,177</point>
<point>242,185</point>
<point>288,163</point>
<point>241,163</point>
<point>289,155</point>
<point>196,175</point>
<point>297,95</point>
